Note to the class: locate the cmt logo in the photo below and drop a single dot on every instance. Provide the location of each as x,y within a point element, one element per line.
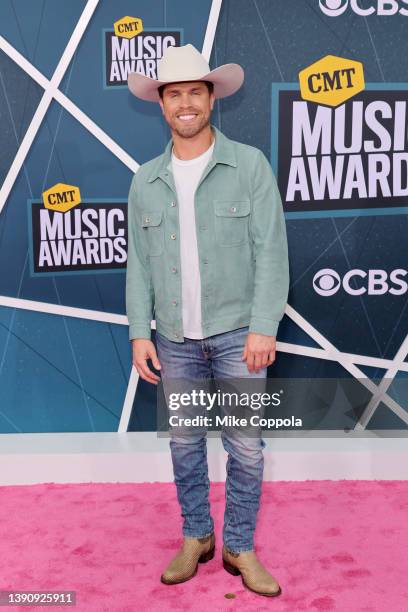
<point>327,282</point>
<point>61,197</point>
<point>331,80</point>
<point>334,8</point>
<point>128,27</point>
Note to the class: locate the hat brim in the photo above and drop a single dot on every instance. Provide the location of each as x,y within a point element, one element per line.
<point>227,79</point>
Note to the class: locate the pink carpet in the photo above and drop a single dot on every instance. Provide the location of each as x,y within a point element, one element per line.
<point>333,545</point>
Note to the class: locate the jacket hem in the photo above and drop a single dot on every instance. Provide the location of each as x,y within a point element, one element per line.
<point>209,329</point>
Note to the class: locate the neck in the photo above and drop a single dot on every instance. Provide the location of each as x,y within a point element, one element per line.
<point>189,148</point>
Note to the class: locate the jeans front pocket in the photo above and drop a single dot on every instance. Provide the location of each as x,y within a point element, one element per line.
<point>152,223</point>
<point>231,222</point>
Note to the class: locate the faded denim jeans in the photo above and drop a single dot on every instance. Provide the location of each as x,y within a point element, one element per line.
<point>217,357</point>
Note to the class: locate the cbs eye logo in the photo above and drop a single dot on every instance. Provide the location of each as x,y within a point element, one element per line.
<point>333,8</point>
<point>326,282</point>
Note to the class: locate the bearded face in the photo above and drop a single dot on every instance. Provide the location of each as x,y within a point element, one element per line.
<point>187,107</point>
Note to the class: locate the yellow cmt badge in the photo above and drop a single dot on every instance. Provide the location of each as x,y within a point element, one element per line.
<point>331,81</point>
<point>128,27</point>
<point>61,197</point>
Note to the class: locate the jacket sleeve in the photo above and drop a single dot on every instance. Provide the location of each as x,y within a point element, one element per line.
<point>139,288</point>
<point>270,249</point>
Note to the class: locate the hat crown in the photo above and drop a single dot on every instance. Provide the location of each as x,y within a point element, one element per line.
<point>181,63</point>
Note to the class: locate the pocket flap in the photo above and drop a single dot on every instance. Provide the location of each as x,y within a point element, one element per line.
<point>232,208</point>
<point>151,217</point>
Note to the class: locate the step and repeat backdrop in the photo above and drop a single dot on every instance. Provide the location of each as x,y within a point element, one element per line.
<point>325,98</point>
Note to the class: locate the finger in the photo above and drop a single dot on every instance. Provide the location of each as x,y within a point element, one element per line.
<point>149,375</point>
<point>258,361</point>
<point>138,370</point>
<point>250,361</point>
<point>271,357</point>
<point>144,377</point>
<point>244,354</point>
<point>265,359</point>
<point>149,379</point>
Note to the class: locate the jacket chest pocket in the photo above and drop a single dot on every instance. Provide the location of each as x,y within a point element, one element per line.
<point>231,222</point>
<point>152,224</point>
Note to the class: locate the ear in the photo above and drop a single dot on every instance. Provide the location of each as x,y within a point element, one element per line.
<point>212,100</point>
<point>161,105</point>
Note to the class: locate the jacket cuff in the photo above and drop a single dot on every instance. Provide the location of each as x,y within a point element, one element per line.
<point>139,330</point>
<point>267,327</point>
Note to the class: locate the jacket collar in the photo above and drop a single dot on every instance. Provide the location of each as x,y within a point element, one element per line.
<point>223,153</point>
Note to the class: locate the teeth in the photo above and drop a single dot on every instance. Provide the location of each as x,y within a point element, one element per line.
<point>186,117</point>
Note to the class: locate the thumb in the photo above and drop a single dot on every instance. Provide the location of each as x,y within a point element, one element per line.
<point>155,359</point>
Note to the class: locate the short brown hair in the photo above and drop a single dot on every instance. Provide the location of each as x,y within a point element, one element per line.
<point>210,87</point>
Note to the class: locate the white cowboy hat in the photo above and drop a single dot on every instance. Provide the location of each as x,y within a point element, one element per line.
<point>186,64</point>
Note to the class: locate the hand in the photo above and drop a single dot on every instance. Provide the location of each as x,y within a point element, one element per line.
<point>259,351</point>
<point>143,350</point>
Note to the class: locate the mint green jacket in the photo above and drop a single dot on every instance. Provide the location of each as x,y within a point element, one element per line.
<point>241,241</point>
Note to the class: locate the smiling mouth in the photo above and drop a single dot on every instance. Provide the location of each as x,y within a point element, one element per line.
<point>187,117</point>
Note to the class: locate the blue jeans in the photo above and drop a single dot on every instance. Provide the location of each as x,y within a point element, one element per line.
<point>217,357</point>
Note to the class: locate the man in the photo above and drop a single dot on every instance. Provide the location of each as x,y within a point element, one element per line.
<point>207,251</point>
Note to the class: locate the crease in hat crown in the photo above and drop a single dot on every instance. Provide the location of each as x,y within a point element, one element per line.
<point>190,64</point>
<point>186,63</point>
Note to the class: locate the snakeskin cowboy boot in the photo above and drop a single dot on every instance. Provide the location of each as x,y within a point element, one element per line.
<point>184,565</point>
<point>253,573</point>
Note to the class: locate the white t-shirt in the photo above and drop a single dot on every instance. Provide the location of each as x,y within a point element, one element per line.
<point>187,174</point>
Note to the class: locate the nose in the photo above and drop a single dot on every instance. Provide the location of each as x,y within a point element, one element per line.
<point>186,100</point>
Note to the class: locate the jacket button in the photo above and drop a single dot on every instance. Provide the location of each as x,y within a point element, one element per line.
<point>147,220</point>
<point>177,335</point>
<point>172,203</point>
<point>203,227</point>
<point>233,209</point>
<point>205,261</point>
<point>174,302</point>
<point>174,270</point>
<point>173,236</point>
